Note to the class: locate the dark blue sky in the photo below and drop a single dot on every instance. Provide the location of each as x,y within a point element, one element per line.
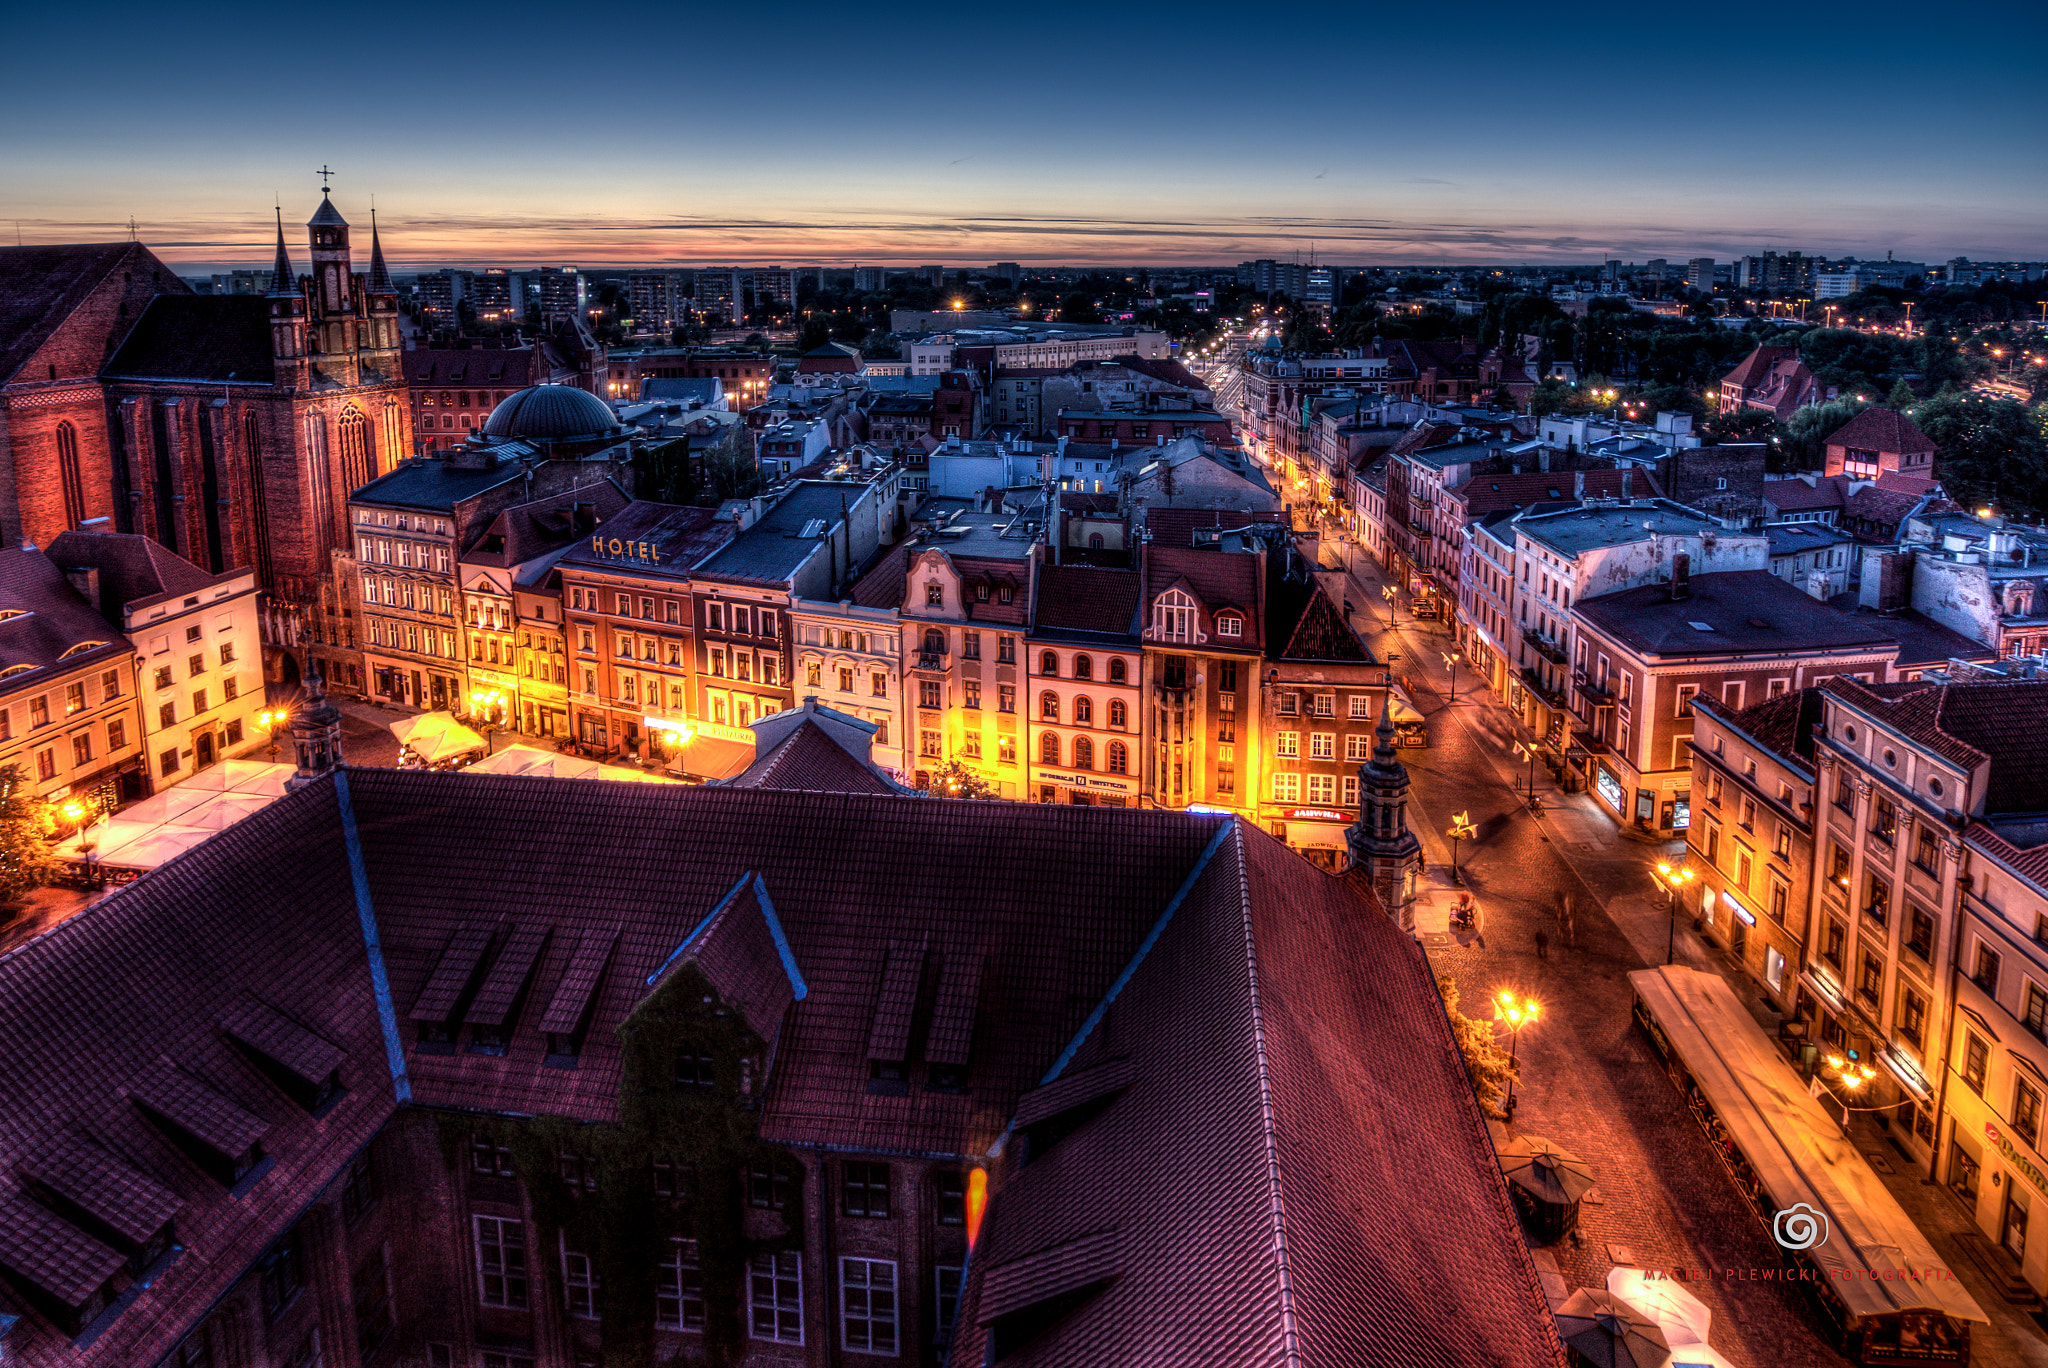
<point>1193,133</point>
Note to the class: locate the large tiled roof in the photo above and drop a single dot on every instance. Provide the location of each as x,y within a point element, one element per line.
<point>1217,579</point>
<point>525,531</point>
<point>681,536</point>
<point>1485,494</point>
<point>2002,721</point>
<point>1751,370</point>
<point>1796,495</point>
<point>775,546</point>
<point>884,583</point>
<point>41,286</point>
<point>1784,723</point>
<point>435,484</point>
<point>1319,632</point>
<point>1288,1054</point>
<point>199,337</point>
<point>1084,598</point>
<point>1746,612</point>
<point>808,759</point>
<point>44,624</point>
<point>131,567</point>
<point>1283,1221</point>
<point>499,367</point>
<point>1881,429</point>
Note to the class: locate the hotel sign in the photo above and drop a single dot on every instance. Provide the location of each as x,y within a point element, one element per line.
<point>1087,781</point>
<point>1314,815</point>
<point>626,549</point>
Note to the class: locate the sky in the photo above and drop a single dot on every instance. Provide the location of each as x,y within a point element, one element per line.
<point>1053,134</point>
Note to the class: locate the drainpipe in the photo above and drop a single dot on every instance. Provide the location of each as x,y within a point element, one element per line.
<point>1955,958</point>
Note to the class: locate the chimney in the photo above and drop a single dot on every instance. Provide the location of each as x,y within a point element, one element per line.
<point>1625,473</point>
<point>1543,459</point>
<point>86,580</point>
<point>1579,485</point>
<point>1681,577</point>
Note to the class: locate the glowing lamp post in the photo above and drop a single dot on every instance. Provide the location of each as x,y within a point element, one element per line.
<point>487,703</point>
<point>1451,659</point>
<point>1461,830</point>
<point>1673,878</point>
<point>1387,593</point>
<point>1514,1013</point>
<point>273,721</point>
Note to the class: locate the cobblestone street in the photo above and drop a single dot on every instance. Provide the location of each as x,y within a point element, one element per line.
<point>1590,1081</point>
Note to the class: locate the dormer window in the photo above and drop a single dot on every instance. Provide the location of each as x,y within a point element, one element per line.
<point>1230,625</point>
<point>981,592</point>
<point>934,594</point>
<point>1173,617</point>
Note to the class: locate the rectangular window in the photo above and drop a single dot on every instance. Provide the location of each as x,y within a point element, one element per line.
<point>2026,1109</point>
<point>501,1261</point>
<point>1357,747</point>
<point>927,691</point>
<point>1326,705</point>
<point>1686,694</point>
<point>1870,981</point>
<point>81,749</point>
<point>167,763</point>
<point>867,1300</point>
<point>767,1188</point>
<point>579,1282</point>
<point>1290,705</point>
<point>282,1273</point>
<point>1912,1018</point>
<point>970,692</point>
<point>775,1307</point>
<point>117,733</point>
<point>1006,698</point>
<point>1359,703</point>
<point>1927,849</point>
<point>1350,783</point>
<point>110,682</point>
<point>372,1299</point>
<point>1986,973</point>
<point>1878,905</point>
<point>1975,1057</point>
<point>2035,1010</point>
<point>878,686</point>
<point>864,1189</point>
<point>1322,788</point>
<point>1287,745</point>
<point>946,1298</point>
<point>1920,934</point>
<point>679,1287</point>
<point>1286,788</point>
<point>1322,746</point>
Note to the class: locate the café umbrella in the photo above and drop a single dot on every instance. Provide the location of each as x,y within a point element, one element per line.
<point>436,736</point>
<point>1605,1331</point>
<point>1545,1171</point>
<point>1683,1318</point>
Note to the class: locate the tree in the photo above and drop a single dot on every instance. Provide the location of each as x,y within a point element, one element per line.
<point>730,467</point>
<point>1742,425</point>
<point>1902,396</point>
<point>1079,308</point>
<point>24,859</point>
<point>1803,441</point>
<point>955,780</point>
<point>1486,1063</point>
<point>1991,451</point>
<point>665,474</point>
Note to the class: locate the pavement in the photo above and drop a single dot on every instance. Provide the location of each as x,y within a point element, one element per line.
<point>1589,1080</point>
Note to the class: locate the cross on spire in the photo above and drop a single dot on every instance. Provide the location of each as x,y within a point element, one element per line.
<point>325,175</point>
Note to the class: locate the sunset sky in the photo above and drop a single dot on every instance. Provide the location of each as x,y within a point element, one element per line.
<point>1145,134</point>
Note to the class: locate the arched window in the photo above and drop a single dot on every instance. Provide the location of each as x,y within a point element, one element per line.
<point>68,473</point>
<point>1095,541</point>
<point>1084,753</point>
<point>1119,718</point>
<point>1084,668</point>
<point>1119,758</point>
<point>934,641</point>
<point>1049,748</point>
<point>1084,711</point>
<point>355,450</point>
<point>1049,664</point>
<point>1049,706</point>
<point>1117,673</point>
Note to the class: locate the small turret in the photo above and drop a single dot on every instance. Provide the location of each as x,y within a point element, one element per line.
<point>316,734</point>
<point>287,318</point>
<point>1381,844</point>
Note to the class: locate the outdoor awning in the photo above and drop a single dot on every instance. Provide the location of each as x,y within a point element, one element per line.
<point>1797,1151</point>
<point>436,736</point>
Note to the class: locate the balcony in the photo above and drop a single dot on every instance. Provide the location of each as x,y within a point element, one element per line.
<point>1533,679</point>
<point>931,660</point>
<point>1419,526</point>
<point>1597,691</point>
<point>1552,651</point>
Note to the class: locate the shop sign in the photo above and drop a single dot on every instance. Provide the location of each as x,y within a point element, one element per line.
<point>1315,815</point>
<point>503,681</point>
<point>2010,1153</point>
<point>1087,781</point>
<point>717,731</point>
<point>616,549</point>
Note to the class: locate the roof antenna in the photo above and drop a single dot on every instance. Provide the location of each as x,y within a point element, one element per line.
<point>131,228</point>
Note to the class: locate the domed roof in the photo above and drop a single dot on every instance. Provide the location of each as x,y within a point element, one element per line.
<point>552,413</point>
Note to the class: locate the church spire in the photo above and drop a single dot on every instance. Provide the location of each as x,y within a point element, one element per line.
<point>1382,847</point>
<point>316,732</point>
<point>281,278</point>
<point>380,278</point>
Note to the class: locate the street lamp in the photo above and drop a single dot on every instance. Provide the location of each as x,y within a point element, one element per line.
<point>486,701</point>
<point>1461,830</point>
<point>1387,593</point>
<point>1514,1014</point>
<point>1673,878</point>
<point>1451,659</point>
<point>274,720</point>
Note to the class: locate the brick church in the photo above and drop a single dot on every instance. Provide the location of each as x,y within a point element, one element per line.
<point>229,428</point>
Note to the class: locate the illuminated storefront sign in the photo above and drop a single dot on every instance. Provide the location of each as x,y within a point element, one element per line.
<point>2010,1153</point>
<point>1315,815</point>
<point>1608,787</point>
<point>1087,781</point>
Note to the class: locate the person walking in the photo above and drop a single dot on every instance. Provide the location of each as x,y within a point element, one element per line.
<point>1542,945</point>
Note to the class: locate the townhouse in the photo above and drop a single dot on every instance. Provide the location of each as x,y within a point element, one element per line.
<point>1084,664</point>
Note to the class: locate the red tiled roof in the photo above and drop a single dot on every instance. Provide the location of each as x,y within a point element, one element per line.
<point>1285,1205</point>
<point>1178,526</point>
<point>1881,429</point>
<point>883,586</point>
<point>1898,482</point>
<point>1752,369</point>
<point>1790,496</point>
<point>1086,598</point>
<point>2002,721</point>
<point>1321,633</point>
<point>1485,494</point>
<point>808,758</point>
<point>41,287</point>
<point>1219,579</point>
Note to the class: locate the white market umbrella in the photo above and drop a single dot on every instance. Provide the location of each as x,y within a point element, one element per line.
<point>1682,1317</point>
<point>165,806</point>
<point>224,810</point>
<point>161,847</point>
